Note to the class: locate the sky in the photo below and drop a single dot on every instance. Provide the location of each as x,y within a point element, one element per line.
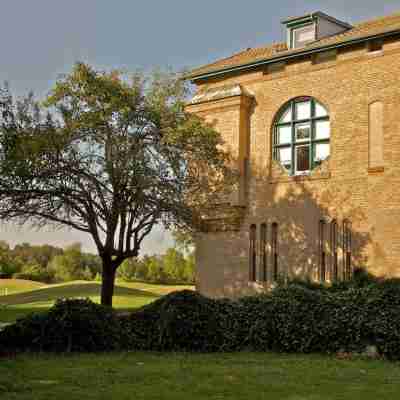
<point>42,39</point>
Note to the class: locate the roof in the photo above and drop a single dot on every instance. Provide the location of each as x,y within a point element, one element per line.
<point>317,14</point>
<point>254,57</point>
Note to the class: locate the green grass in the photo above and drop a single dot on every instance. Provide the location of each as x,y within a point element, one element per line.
<point>18,285</point>
<point>127,296</point>
<point>139,376</point>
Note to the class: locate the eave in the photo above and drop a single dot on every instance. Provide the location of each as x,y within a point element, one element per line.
<point>292,55</point>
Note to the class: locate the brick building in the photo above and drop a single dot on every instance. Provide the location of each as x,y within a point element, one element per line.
<point>314,127</point>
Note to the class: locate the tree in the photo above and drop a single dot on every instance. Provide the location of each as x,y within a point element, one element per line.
<point>184,239</point>
<point>70,265</point>
<point>109,156</point>
<point>174,265</point>
<point>8,265</point>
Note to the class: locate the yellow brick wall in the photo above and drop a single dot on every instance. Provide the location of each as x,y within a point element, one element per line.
<point>342,188</point>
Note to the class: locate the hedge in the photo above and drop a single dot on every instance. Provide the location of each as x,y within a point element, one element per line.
<point>295,318</point>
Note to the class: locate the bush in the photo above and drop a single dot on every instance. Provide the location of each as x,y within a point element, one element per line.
<point>298,317</point>
<point>69,326</point>
<point>180,321</point>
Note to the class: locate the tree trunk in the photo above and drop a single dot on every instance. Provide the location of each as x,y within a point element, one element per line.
<point>107,285</point>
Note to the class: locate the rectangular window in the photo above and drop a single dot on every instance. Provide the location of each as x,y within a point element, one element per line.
<point>322,253</point>
<point>302,36</point>
<point>253,253</point>
<point>347,270</point>
<point>274,250</point>
<point>263,253</point>
<point>302,161</point>
<point>334,251</point>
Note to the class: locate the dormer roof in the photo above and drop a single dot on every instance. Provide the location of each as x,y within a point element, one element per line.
<point>310,17</point>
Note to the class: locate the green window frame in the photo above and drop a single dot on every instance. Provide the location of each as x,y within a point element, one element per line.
<point>308,143</point>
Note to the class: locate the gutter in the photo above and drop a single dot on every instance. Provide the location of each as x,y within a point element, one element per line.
<point>256,64</point>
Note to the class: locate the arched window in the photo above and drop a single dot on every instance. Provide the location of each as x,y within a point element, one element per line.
<point>253,253</point>
<point>301,135</point>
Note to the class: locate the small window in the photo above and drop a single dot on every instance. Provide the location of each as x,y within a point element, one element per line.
<point>263,253</point>
<point>253,253</point>
<point>334,250</point>
<point>303,35</point>
<point>322,253</point>
<point>347,268</point>
<point>274,250</point>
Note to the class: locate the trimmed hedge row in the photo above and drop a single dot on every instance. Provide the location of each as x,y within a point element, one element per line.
<point>292,318</point>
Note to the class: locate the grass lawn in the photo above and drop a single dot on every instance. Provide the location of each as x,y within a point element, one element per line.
<point>28,297</point>
<point>10,286</point>
<point>186,376</point>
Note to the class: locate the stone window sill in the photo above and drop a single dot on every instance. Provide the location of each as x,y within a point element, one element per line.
<point>301,178</point>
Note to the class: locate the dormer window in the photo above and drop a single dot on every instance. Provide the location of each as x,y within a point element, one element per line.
<point>302,36</point>
<point>306,29</point>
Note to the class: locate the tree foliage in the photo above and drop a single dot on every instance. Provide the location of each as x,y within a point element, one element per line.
<point>109,156</point>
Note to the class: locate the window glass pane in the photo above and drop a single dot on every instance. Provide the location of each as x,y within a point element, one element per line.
<point>302,158</point>
<point>303,132</point>
<point>284,134</point>
<point>322,151</point>
<point>322,130</point>
<point>320,110</point>
<point>303,35</point>
<point>303,110</point>
<point>286,116</point>
<point>285,157</point>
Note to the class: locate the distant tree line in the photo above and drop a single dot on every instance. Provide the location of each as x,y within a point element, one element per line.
<point>51,264</point>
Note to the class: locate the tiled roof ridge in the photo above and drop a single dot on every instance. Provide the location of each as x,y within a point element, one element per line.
<point>376,20</point>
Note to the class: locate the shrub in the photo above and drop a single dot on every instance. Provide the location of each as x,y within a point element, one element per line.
<point>180,321</point>
<point>70,325</point>
<point>292,318</point>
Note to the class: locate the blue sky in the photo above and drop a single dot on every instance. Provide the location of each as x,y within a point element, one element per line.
<point>43,38</point>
